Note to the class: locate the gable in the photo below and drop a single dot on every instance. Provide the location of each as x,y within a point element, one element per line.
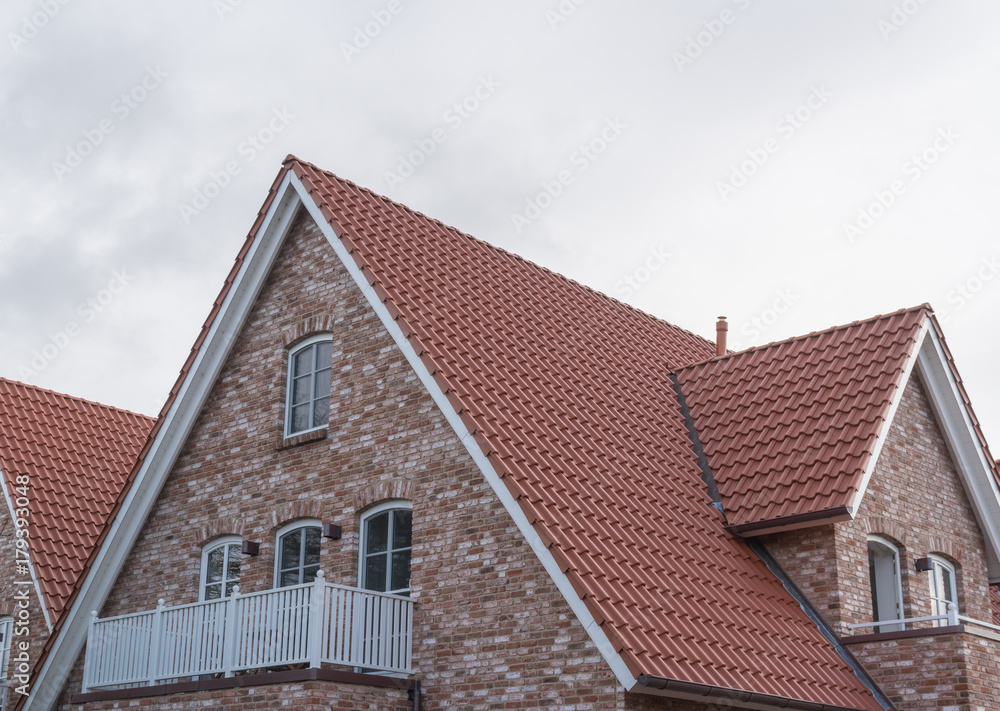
<point>917,498</point>
<point>562,399</point>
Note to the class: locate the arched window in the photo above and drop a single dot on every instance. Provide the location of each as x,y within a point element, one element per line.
<point>386,535</point>
<point>220,567</point>
<point>6,636</point>
<point>886,583</point>
<point>943,587</point>
<point>308,393</point>
<point>297,552</point>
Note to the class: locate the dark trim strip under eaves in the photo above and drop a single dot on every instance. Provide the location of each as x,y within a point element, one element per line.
<point>746,697</point>
<point>833,515</point>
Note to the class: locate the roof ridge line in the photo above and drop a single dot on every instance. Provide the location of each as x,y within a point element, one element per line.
<point>812,334</point>
<point>76,398</point>
<point>507,253</point>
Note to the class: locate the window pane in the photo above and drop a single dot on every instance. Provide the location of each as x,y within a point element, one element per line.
<point>229,587</point>
<point>289,577</point>
<point>313,538</point>
<point>233,568</point>
<point>948,587</point>
<point>300,418</point>
<point>378,533</point>
<point>290,543</point>
<point>322,386</point>
<point>400,570</point>
<point>402,528</point>
<point>300,389</point>
<point>310,573</point>
<point>321,412</point>
<point>324,355</point>
<point>375,572</point>
<point>213,592</point>
<point>213,572</point>
<point>302,362</point>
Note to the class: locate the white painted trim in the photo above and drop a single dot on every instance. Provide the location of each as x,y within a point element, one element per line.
<point>211,546</point>
<point>31,560</point>
<point>380,508</point>
<point>170,439</point>
<point>597,635</point>
<point>960,436</point>
<point>897,397</point>
<point>897,587</point>
<point>284,531</point>
<point>290,352</point>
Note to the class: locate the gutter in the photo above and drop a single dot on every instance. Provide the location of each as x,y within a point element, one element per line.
<point>786,523</point>
<point>760,701</point>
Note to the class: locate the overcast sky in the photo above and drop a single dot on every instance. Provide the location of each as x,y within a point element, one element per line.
<point>792,165</point>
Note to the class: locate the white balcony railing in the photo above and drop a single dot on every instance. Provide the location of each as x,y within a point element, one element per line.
<point>952,619</point>
<point>303,624</point>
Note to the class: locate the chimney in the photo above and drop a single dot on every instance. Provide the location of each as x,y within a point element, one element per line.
<point>720,336</point>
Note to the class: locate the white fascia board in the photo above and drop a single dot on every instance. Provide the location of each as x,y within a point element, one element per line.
<point>960,435</point>
<point>165,449</point>
<point>30,559</point>
<point>897,397</point>
<point>597,636</point>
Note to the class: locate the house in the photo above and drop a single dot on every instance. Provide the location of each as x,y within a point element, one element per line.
<point>402,469</point>
<point>63,463</point>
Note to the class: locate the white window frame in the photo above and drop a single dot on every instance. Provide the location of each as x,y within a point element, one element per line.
<point>937,608</point>
<point>393,505</point>
<point>284,531</point>
<point>205,551</point>
<point>896,590</point>
<point>291,353</point>
<point>6,639</point>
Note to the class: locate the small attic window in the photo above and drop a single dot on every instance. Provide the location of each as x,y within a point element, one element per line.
<point>308,392</point>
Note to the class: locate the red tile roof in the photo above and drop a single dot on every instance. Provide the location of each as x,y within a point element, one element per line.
<point>76,455</point>
<point>789,428</point>
<point>567,392</point>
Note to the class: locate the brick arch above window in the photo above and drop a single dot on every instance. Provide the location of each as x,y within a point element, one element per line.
<point>312,326</point>
<point>303,508</point>
<point>219,527</point>
<point>945,547</point>
<point>382,491</point>
<point>883,527</point>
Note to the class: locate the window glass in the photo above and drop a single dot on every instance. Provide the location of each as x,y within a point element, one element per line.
<point>298,555</point>
<point>942,580</point>
<point>221,570</point>
<point>385,565</point>
<point>6,633</point>
<point>309,377</point>
<point>883,571</point>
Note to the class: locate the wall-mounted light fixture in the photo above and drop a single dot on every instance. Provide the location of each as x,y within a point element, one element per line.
<point>923,564</point>
<point>331,531</point>
<point>251,547</point>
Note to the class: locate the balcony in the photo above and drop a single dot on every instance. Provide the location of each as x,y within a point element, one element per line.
<point>305,625</point>
<point>950,620</point>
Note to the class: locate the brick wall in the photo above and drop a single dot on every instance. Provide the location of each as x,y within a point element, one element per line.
<point>490,629</point>
<point>946,672</point>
